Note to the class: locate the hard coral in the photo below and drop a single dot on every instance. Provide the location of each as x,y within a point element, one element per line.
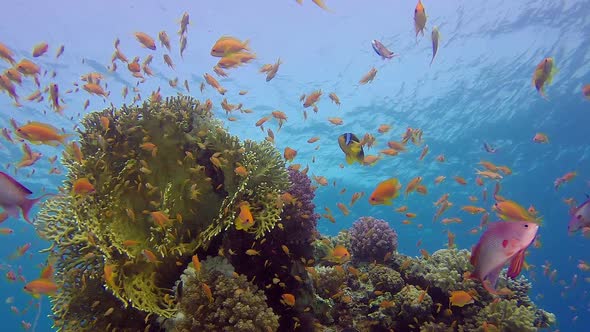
<point>371,239</point>
<point>386,279</point>
<point>165,186</point>
<point>444,269</point>
<point>235,304</point>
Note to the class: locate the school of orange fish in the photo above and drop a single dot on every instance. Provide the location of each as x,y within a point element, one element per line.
<point>233,53</point>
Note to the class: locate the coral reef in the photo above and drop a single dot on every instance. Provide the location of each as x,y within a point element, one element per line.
<point>169,184</point>
<point>164,187</point>
<point>371,239</point>
<point>234,304</point>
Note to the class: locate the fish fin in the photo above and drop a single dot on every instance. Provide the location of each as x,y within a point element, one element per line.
<point>349,159</point>
<point>16,183</point>
<point>387,202</point>
<point>474,255</point>
<point>28,204</point>
<point>492,278</point>
<point>516,265</point>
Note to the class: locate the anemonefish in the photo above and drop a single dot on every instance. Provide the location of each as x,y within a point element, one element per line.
<point>352,148</point>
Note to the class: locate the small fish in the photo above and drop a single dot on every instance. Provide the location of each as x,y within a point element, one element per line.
<point>586,91</point>
<point>435,38</point>
<point>146,40</point>
<point>244,220</point>
<point>460,298</point>
<point>41,133</point>
<point>40,49</point>
<point>368,77</point>
<point>289,154</point>
<point>44,285</point>
<point>352,148</point>
<point>543,75</point>
<point>338,255</point>
<point>381,50</point>
<point>488,148</point>
<point>385,192</point>
<point>288,299</point>
<point>502,242</point>
<point>540,138</point>
<point>227,45</point>
<point>419,19</point>
<point>82,186</point>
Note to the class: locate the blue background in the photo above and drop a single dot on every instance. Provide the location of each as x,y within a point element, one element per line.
<point>478,89</point>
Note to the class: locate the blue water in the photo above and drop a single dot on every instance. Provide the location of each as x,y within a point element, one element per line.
<point>478,89</point>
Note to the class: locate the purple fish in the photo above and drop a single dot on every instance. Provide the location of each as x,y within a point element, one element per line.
<point>380,49</point>
<point>502,242</point>
<point>580,217</point>
<point>13,195</point>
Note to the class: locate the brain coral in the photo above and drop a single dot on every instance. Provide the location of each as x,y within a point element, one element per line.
<point>371,239</point>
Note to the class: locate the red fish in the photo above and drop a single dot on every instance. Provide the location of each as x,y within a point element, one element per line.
<point>502,242</point>
<point>13,195</point>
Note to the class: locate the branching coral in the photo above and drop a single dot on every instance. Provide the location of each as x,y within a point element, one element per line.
<point>508,316</point>
<point>371,239</point>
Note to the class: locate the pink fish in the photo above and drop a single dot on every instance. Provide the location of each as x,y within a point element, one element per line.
<point>13,195</point>
<point>580,217</point>
<point>502,242</point>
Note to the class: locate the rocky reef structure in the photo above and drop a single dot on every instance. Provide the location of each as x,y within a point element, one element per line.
<point>164,187</point>
<point>168,182</point>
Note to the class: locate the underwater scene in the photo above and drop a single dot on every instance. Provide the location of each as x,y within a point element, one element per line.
<point>295,165</point>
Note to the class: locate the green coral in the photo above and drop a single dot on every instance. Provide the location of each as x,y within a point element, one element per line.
<point>236,304</point>
<point>413,304</point>
<point>165,184</point>
<point>386,279</point>
<point>444,269</point>
<point>508,316</point>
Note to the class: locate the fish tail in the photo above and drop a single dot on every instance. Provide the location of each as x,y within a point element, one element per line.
<point>28,204</point>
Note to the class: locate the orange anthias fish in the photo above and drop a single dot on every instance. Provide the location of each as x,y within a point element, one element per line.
<point>41,133</point>
<point>540,138</point>
<point>419,19</point>
<point>146,40</point>
<point>586,91</point>
<point>460,298</point>
<point>543,75</point>
<point>510,210</point>
<point>44,285</point>
<point>502,242</point>
<point>338,255</point>
<point>245,220</point>
<point>227,45</point>
<point>385,192</point>
<point>288,299</point>
<point>82,186</point>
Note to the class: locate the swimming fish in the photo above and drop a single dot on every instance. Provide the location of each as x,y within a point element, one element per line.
<point>351,146</point>
<point>419,19</point>
<point>502,242</point>
<point>381,50</point>
<point>13,195</point>
<point>580,217</point>
<point>244,220</point>
<point>489,148</point>
<point>435,38</point>
<point>540,138</point>
<point>44,285</point>
<point>227,45</point>
<point>338,255</point>
<point>385,192</point>
<point>543,75</point>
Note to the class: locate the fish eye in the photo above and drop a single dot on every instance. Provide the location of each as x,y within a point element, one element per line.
<point>526,225</point>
